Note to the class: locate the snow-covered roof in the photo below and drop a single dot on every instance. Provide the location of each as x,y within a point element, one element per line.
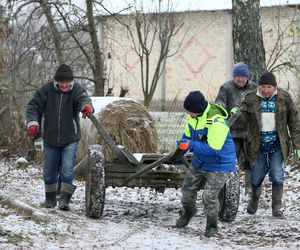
<point>186,5</point>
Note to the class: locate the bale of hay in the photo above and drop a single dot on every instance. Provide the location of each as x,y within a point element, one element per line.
<point>129,124</point>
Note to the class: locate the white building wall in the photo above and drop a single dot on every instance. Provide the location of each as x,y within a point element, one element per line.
<point>204,62</point>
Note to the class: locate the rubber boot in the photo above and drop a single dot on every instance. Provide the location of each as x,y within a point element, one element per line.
<point>277,192</point>
<point>66,193</point>
<point>248,188</point>
<point>50,191</point>
<point>211,229</point>
<point>58,189</point>
<point>186,215</point>
<point>253,203</point>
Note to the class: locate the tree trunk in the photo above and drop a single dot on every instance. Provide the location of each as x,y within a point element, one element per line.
<point>23,208</point>
<point>54,31</point>
<point>248,45</point>
<point>98,63</point>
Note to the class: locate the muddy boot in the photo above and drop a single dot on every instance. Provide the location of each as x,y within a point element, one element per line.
<point>186,215</point>
<point>66,193</point>
<point>211,229</point>
<point>253,203</point>
<point>50,201</point>
<point>277,192</point>
<point>248,188</point>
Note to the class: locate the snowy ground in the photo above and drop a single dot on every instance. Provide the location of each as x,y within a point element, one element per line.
<point>140,219</point>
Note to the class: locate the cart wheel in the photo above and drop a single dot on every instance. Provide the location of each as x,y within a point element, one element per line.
<point>95,182</point>
<point>229,198</point>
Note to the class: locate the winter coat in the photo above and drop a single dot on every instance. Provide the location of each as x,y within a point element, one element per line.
<point>210,140</point>
<point>286,119</point>
<point>58,112</point>
<point>230,95</point>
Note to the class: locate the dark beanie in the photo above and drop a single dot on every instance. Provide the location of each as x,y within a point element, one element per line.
<point>195,102</point>
<point>63,73</point>
<point>241,69</point>
<point>267,78</point>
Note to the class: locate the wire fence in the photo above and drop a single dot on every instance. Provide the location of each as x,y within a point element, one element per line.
<point>169,127</point>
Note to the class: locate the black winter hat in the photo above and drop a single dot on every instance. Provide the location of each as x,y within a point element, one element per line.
<point>63,73</point>
<point>267,78</point>
<point>195,102</point>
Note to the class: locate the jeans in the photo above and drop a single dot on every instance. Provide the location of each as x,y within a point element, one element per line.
<point>59,161</point>
<point>271,163</point>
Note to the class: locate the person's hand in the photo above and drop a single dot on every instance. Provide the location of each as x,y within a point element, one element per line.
<point>296,165</point>
<point>234,110</point>
<point>183,144</point>
<point>32,130</point>
<point>297,152</point>
<point>86,110</point>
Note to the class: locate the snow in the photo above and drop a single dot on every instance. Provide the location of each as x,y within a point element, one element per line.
<point>140,219</point>
<point>21,160</point>
<point>138,156</point>
<point>101,102</point>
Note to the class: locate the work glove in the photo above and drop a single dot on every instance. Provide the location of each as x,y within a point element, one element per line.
<point>86,110</point>
<point>234,110</point>
<point>183,144</point>
<point>32,130</point>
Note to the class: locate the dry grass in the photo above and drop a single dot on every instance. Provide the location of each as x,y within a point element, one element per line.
<point>130,125</point>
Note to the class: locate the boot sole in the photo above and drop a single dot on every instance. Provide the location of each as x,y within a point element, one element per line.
<point>64,208</point>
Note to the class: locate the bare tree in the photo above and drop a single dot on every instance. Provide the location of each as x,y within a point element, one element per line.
<point>144,30</point>
<point>66,23</point>
<point>248,45</point>
<point>46,7</point>
<point>285,34</point>
<point>97,66</point>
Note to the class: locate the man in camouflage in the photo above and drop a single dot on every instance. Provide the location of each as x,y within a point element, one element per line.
<point>207,136</point>
<point>273,120</point>
<point>230,95</point>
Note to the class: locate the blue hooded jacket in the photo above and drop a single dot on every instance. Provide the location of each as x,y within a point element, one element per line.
<point>210,140</point>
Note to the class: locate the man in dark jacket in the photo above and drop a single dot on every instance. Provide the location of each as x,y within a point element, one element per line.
<point>54,111</point>
<point>214,158</point>
<point>230,95</point>
<point>273,120</point>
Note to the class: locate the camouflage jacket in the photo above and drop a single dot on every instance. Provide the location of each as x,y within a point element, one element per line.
<point>286,119</point>
<point>230,96</point>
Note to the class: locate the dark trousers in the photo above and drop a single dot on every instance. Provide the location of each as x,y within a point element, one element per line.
<point>240,147</point>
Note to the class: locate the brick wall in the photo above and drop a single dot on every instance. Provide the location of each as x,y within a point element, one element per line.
<point>204,61</point>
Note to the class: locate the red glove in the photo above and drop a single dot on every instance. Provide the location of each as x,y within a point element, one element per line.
<point>183,144</point>
<point>86,110</point>
<point>32,130</point>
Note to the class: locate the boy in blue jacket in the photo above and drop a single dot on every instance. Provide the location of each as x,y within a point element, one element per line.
<point>214,158</point>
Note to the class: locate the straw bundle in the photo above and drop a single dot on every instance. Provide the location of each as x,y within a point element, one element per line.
<point>129,124</point>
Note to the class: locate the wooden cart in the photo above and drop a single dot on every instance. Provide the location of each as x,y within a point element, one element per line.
<point>148,170</point>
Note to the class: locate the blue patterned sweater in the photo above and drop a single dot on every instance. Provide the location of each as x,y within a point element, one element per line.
<point>269,139</point>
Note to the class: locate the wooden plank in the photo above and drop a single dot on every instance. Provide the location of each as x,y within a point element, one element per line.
<point>130,156</point>
<point>107,138</point>
<point>127,168</point>
<point>142,182</point>
<point>148,175</point>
